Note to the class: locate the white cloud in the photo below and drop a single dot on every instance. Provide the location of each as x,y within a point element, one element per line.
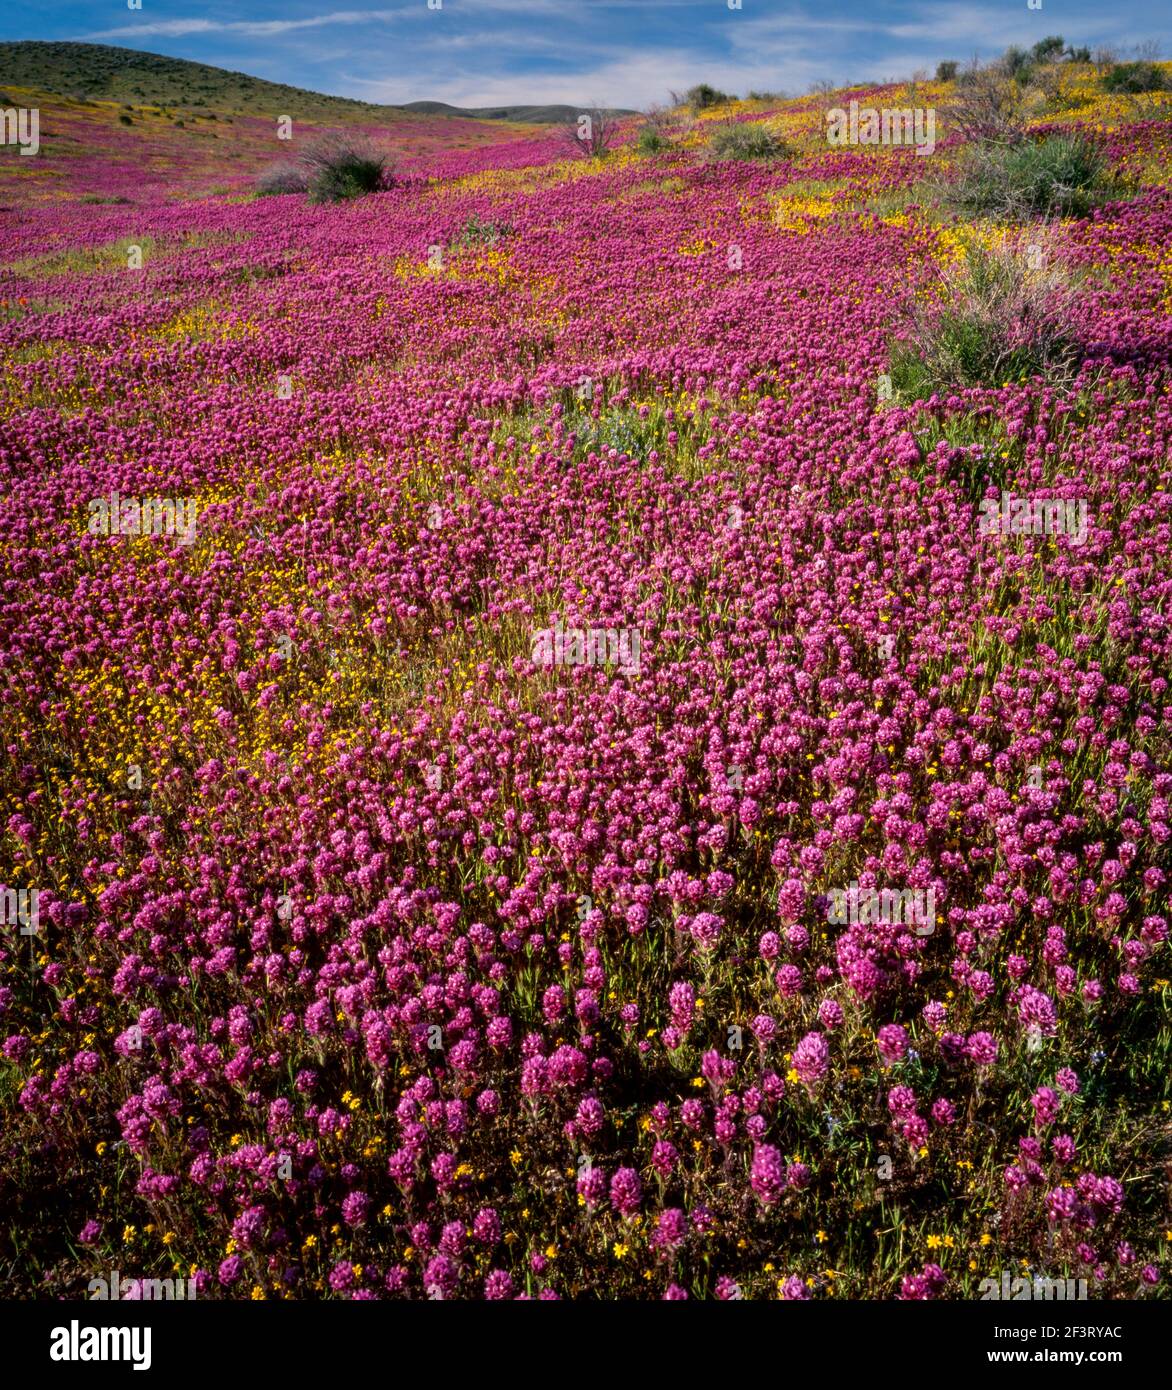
<point>634,81</point>
<point>177,28</point>
<point>498,52</point>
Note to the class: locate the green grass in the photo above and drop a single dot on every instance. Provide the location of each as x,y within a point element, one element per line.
<point>1058,176</point>
<point>747,142</point>
<point>478,231</point>
<point>651,141</point>
<point>84,260</point>
<point>988,456</point>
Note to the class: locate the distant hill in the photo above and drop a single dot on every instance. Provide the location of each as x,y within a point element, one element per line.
<point>101,72</point>
<point>528,115</point>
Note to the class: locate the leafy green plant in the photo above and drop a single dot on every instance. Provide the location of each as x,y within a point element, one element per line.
<point>1058,176</point>
<point>1135,78</point>
<point>747,141</point>
<point>702,96</point>
<point>478,231</point>
<point>651,141</point>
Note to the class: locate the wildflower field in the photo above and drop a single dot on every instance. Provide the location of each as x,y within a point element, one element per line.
<point>448,852</point>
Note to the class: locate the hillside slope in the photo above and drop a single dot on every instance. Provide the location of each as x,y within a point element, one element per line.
<point>102,72</point>
<point>118,125</point>
<point>531,115</point>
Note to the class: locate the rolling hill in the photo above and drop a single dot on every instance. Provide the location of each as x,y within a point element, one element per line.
<point>527,115</point>
<point>117,125</point>
<point>101,72</point>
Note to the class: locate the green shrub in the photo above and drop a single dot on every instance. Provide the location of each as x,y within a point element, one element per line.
<point>342,166</point>
<point>747,141</point>
<point>997,320</point>
<point>350,178</point>
<point>481,232</point>
<point>1135,78</point>
<point>1058,176</point>
<point>946,72</point>
<point>702,96</point>
<point>1018,63</point>
<point>651,141</point>
<point>1049,49</point>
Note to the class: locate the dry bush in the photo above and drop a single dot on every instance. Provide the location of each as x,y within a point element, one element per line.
<point>280,178</point>
<point>591,133</point>
<point>1004,315</point>
<point>986,106</point>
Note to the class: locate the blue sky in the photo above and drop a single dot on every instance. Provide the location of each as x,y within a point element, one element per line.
<point>621,52</point>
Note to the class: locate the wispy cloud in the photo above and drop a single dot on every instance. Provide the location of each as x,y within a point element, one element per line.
<point>620,52</point>
<point>635,81</point>
<point>266,28</point>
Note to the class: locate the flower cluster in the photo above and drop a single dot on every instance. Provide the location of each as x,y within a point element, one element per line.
<point>376,959</point>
